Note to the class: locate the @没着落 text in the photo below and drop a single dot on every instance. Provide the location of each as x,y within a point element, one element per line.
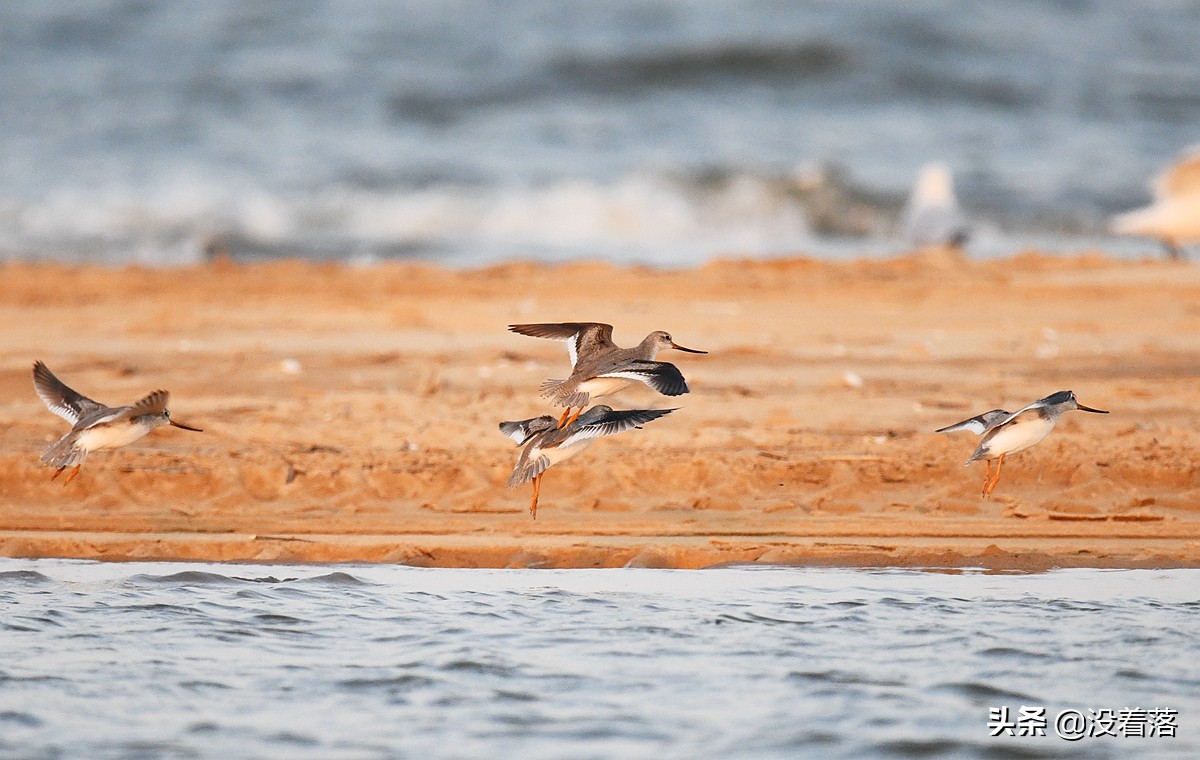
<point>1073,724</point>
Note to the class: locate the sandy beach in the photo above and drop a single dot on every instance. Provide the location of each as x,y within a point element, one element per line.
<point>350,413</point>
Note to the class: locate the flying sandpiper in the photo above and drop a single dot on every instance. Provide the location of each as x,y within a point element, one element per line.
<point>602,368</point>
<point>94,425</point>
<point>1004,433</point>
<point>544,443</point>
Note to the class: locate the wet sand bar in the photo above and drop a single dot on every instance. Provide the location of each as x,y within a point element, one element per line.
<point>350,414</point>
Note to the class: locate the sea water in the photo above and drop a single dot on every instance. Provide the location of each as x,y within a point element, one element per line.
<point>662,131</point>
<point>158,660</point>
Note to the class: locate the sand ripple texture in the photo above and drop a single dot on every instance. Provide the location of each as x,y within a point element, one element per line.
<point>360,661</point>
<point>350,413</point>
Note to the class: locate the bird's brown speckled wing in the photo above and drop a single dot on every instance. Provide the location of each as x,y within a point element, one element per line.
<point>61,399</point>
<point>584,339</point>
<point>153,403</point>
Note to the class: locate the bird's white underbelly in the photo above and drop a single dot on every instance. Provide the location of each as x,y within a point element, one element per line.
<point>1018,436</point>
<point>562,453</point>
<point>1177,218</point>
<point>110,436</point>
<point>605,386</point>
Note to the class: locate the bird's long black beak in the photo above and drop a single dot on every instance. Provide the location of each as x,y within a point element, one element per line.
<point>1083,408</point>
<point>185,427</point>
<point>678,347</point>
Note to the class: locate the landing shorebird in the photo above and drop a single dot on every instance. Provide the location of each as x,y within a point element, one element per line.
<point>95,426</point>
<point>545,444</point>
<point>1005,433</point>
<point>602,368</point>
<point>1174,216</point>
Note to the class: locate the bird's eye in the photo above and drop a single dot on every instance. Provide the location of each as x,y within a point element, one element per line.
<point>666,336</point>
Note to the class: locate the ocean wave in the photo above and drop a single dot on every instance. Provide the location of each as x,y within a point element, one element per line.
<point>182,578</point>
<point>652,217</point>
<point>648,217</point>
<point>22,577</point>
<point>705,64</point>
<point>622,74</point>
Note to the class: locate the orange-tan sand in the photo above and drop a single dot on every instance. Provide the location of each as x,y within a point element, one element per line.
<point>351,413</point>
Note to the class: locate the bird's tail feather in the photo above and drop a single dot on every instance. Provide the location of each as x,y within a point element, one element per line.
<point>559,394</point>
<point>528,470</point>
<point>64,453</point>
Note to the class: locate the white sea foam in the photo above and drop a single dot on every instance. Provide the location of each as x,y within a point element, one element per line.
<point>641,217</point>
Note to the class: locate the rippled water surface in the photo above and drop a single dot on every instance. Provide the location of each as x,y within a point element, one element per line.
<point>219,661</point>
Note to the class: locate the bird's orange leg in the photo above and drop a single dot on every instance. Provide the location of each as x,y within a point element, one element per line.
<point>537,489</point>
<point>987,478</point>
<point>575,416</point>
<point>562,421</point>
<point>996,478</point>
<point>57,472</point>
<point>71,475</point>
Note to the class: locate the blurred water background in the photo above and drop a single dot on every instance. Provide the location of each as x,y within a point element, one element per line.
<point>157,660</point>
<point>660,131</point>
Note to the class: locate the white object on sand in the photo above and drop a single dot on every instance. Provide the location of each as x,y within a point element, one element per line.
<point>932,216</point>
